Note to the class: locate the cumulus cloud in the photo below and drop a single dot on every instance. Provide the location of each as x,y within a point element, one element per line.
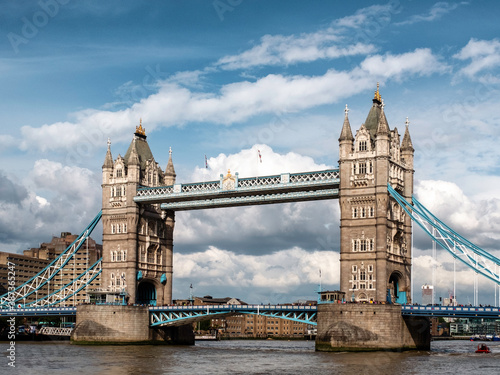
<point>344,37</point>
<point>53,199</point>
<point>483,55</point>
<point>278,277</point>
<point>421,62</point>
<point>477,220</point>
<point>236,102</point>
<point>259,229</point>
<point>11,192</point>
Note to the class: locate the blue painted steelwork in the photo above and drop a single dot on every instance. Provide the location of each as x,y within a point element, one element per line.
<point>180,315</point>
<point>287,187</point>
<point>48,273</point>
<point>177,315</point>
<point>472,255</point>
<point>71,288</point>
<point>452,311</point>
<point>252,200</point>
<point>40,311</point>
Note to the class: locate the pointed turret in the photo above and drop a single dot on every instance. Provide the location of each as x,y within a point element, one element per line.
<point>133,163</point>
<point>383,127</point>
<point>108,159</point>
<point>133,158</point>
<point>406,145</point>
<point>107,167</point>
<point>169,170</point>
<point>346,139</point>
<point>346,133</point>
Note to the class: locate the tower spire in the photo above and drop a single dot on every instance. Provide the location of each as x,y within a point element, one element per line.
<point>108,159</point>
<point>377,98</point>
<point>346,133</point>
<point>407,145</point>
<point>383,127</point>
<point>169,170</point>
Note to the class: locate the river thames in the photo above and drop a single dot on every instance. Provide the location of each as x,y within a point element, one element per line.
<point>245,357</point>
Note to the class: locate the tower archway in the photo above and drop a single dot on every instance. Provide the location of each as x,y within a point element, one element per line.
<point>146,293</point>
<point>396,289</point>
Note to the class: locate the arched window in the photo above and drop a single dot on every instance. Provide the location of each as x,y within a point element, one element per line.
<point>124,228</point>
<point>122,255</point>
<point>113,259</point>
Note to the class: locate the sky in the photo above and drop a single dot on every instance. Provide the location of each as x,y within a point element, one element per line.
<point>226,78</point>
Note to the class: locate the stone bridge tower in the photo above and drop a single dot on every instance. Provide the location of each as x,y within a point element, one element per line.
<point>137,239</point>
<point>375,252</point>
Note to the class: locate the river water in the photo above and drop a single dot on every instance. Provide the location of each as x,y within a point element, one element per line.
<point>244,357</point>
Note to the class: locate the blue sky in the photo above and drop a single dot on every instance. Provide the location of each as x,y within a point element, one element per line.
<point>225,78</point>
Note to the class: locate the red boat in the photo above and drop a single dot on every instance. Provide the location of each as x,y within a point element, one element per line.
<point>482,348</point>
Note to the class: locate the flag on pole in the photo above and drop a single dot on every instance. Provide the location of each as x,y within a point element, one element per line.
<point>206,162</point>
<point>260,156</point>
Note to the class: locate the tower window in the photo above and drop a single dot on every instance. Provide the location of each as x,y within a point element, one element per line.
<point>119,172</point>
<point>362,168</point>
<point>362,145</point>
<point>363,245</point>
<point>354,268</point>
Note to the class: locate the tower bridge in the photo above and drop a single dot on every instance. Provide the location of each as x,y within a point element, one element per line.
<point>374,187</point>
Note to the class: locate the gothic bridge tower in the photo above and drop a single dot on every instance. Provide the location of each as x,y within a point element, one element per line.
<point>137,239</point>
<point>375,250</point>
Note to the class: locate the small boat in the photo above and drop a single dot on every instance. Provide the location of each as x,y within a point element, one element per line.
<point>482,348</point>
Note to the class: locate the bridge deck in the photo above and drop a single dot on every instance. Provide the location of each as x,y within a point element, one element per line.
<point>287,187</point>
<point>452,311</point>
<point>277,310</point>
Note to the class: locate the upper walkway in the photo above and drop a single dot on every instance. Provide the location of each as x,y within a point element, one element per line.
<point>231,191</point>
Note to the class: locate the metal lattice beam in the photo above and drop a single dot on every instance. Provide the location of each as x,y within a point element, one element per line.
<point>71,288</point>
<point>180,315</point>
<point>48,273</point>
<point>287,187</point>
<point>462,249</point>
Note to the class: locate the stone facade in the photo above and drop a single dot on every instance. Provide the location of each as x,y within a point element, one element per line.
<point>137,240</point>
<point>112,324</point>
<point>375,252</point>
<point>363,326</point>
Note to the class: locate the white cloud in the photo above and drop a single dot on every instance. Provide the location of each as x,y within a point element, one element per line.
<point>421,62</point>
<point>483,55</point>
<point>437,11</point>
<point>236,102</point>
<point>259,229</point>
<point>257,276</point>
<point>57,199</point>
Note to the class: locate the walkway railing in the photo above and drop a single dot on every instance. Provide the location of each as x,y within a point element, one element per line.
<point>231,190</point>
